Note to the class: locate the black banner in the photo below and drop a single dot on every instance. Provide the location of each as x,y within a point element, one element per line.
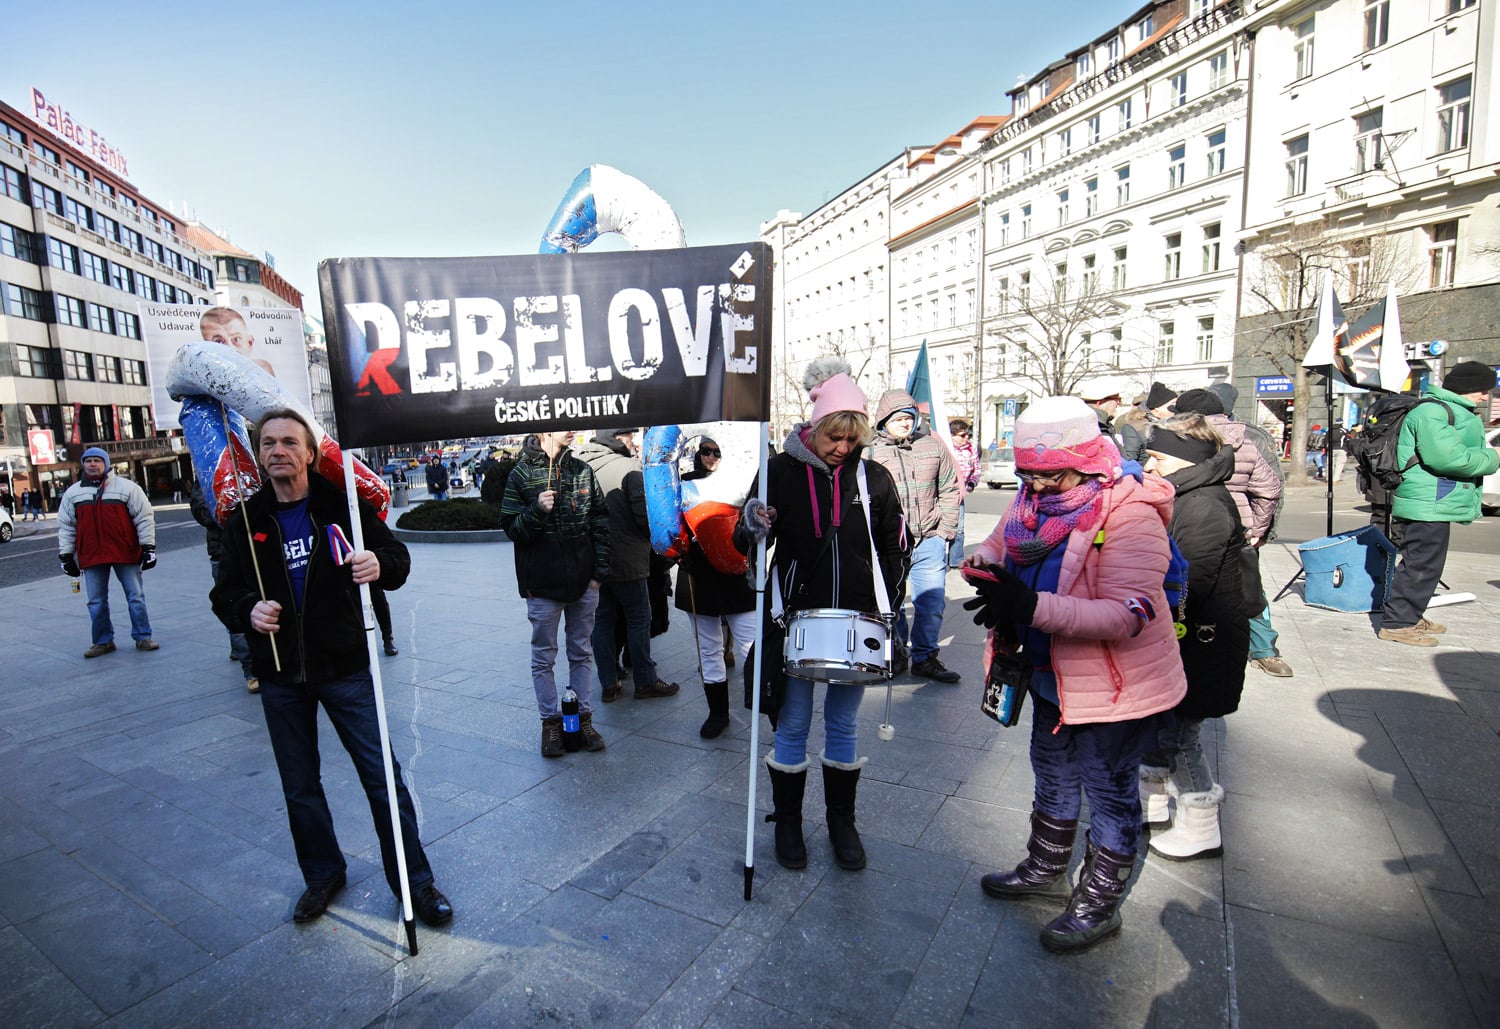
<point>447,348</point>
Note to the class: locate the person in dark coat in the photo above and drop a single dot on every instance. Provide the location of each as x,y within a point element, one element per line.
<point>823,559</point>
<point>711,598</point>
<point>1190,454</point>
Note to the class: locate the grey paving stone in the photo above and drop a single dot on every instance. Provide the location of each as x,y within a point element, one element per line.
<point>1360,883</point>
<point>44,881</point>
<point>1471,828</point>
<point>34,991</point>
<point>944,982</point>
<point>1325,976</point>
<point>701,990</point>
<point>740,1010</point>
<point>988,835</point>
<point>82,939</point>
<point>1193,974</point>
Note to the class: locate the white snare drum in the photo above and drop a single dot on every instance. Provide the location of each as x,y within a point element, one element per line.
<point>833,645</point>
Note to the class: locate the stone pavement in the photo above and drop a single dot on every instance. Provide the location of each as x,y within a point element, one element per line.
<point>147,876</point>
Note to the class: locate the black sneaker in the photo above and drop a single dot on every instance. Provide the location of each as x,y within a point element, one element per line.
<point>592,741</point>
<point>933,669</point>
<point>656,689</point>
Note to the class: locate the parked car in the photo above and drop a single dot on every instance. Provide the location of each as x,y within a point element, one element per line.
<point>999,469</point>
<point>1489,500</point>
<point>7,525</point>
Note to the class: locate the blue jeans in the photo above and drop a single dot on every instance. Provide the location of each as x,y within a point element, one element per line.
<point>840,721</point>
<point>239,647</point>
<point>1262,635</point>
<point>544,615</point>
<point>1101,759</point>
<point>1180,748</point>
<point>956,548</point>
<point>292,718</point>
<point>924,584</point>
<point>633,598</point>
<point>96,581</point>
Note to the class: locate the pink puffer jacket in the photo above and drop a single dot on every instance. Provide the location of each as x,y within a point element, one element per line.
<point>1111,666</point>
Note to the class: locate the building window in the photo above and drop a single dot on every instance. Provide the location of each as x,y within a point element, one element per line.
<point>62,255</point>
<point>1122,185</point>
<point>1177,89</point>
<point>31,362</point>
<point>1453,115</point>
<point>47,198</point>
<point>1211,247</point>
<point>1024,291</point>
<point>1173,267</point>
<point>95,267</point>
<point>1205,339</point>
<point>70,310</point>
<point>1116,347</point>
<point>1062,207</point>
<point>100,319</point>
<point>145,286</point>
<point>901,320</point>
<point>1122,110</point>
<point>77,365</point>
<point>135,372</point>
<point>1090,274</point>
<point>1302,47</point>
<point>1112,50</point>
<point>1177,166</point>
<point>1454,6</point>
<point>1025,221</point>
<point>78,214</point>
<point>17,243</point>
<point>12,184</point>
<point>1166,342</point>
<point>1296,166</point>
<point>121,277</point>
<point>1377,23</point>
<point>1090,197</point>
<point>1442,255</point>
<point>1005,228</point>
<point>1026,161</point>
<point>106,226</point>
<point>950,309</point>
<point>1065,141</point>
<point>1368,149</point>
<point>127,325</point>
<point>106,369</point>
<point>23,302</point>
<point>1144,28</point>
<point>45,152</point>
<point>1218,70</point>
<point>1091,129</point>
<point>1084,65</point>
<point>1216,152</point>
<point>968,305</point>
<point>1117,279</point>
<point>1002,294</point>
<point>1005,171</point>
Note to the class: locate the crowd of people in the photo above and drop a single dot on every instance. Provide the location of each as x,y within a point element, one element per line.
<point>863,517</point>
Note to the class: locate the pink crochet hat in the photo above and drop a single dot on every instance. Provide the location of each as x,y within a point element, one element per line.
<point>1063,432</point>
<point>832,388</point>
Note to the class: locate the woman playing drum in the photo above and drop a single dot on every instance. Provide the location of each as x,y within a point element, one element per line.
<point>823,560</point>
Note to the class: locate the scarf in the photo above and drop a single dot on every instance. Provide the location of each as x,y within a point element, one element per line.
<point>1028,538</point>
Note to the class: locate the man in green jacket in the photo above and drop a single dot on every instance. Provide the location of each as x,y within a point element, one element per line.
<point>1442,487</point>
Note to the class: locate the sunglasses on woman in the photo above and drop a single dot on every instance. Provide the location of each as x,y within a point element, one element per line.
<point>709,452</point>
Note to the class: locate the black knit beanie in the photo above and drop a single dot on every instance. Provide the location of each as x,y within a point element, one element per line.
<point>1199,401</point>
<point>1469,377</point>
<point>1159,395</point>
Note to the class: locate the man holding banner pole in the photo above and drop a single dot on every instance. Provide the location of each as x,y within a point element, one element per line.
<point>299,531</point>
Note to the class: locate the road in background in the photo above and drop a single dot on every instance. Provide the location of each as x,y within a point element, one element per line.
<point>32,553</point>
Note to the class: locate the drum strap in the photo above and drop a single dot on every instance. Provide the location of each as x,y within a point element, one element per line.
<point>882,597</point>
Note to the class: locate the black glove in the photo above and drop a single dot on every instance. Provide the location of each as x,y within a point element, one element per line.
<point>148,558</point>
<point>69,565</point>
<point>1007,599</point>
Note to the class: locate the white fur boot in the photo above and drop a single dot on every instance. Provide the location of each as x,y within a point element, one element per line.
<point>1156,796</point>
<point>1195,830</point>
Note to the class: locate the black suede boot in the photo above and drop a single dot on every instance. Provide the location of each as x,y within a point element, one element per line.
<point>840,784</point>
<point>1094,908</point>
<point>787,787</point>
<point>1043,871</point>
<point>717,694</point>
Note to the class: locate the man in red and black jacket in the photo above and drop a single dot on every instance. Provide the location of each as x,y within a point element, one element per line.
<point>105,523</point>
<point>299,529</point>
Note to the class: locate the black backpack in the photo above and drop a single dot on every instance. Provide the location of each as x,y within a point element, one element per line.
<point>1373,447</point>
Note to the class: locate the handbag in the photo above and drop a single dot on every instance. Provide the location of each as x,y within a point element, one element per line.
<point>1006,686</point>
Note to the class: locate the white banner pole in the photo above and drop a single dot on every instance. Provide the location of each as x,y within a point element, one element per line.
<point>760,658</point>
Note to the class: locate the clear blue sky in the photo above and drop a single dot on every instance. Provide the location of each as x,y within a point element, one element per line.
<point>318,130</point>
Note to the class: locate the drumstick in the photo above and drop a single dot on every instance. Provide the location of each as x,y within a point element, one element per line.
<point>249,537</point>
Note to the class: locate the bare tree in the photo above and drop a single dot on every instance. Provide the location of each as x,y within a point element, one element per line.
<point>789,399</point>
<point>1284,279</point>
<point>1043,321</point>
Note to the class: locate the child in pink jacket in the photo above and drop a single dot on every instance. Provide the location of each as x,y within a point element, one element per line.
<point>1073,595</point>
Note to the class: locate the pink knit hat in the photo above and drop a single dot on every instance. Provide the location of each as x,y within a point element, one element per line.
<point>832,388</point>
<point>1063,432</point>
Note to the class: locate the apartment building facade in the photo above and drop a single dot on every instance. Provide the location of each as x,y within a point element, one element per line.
<point>80,246</point>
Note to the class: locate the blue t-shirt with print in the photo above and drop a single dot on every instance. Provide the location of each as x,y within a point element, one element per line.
<point>297,538</point>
